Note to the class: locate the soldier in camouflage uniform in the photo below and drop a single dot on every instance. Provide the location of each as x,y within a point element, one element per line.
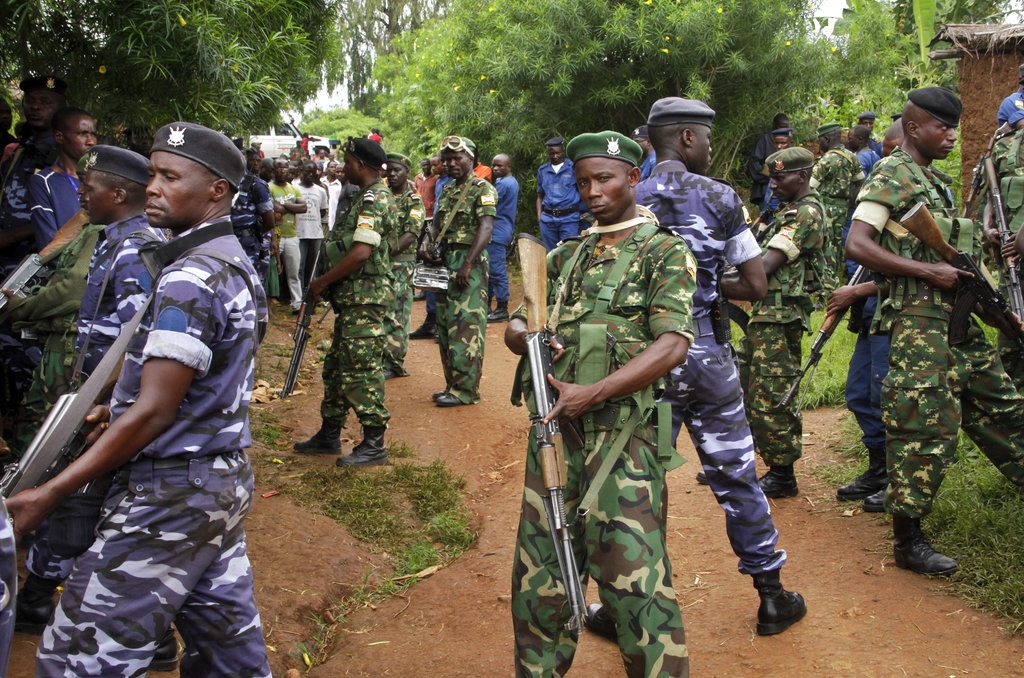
<point>403,260</point>
<point>932,388</point>
<point>252,215</point>
<point>358,285</point>
<point>795,264</point>
<point>170,545</point>
<point>633,281</point>
<point>43,96</point>
<point>462,226</point>
<point>837,176</point>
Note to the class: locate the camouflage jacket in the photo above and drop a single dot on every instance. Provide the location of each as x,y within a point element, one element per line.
<point>457,218</point>
<point>834,174</point>
<point>1008,159</point>
<point>373,220</point>
<point>410,220</point>
<point>15,210</point>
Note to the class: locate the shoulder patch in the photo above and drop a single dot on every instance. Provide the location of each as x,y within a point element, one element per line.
<point>487,198</point>
<point>172,319</point>
<point>477,181</point>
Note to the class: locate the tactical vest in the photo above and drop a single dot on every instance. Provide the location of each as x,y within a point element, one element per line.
<point>368,284</point>
<point>1011,181</point>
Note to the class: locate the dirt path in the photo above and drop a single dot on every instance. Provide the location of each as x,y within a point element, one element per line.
<point>866,618</point>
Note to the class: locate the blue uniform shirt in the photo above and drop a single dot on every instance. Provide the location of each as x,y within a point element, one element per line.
<point>441,183</point>
<point>53,200</point>
<point>508,201</point>
<point>708,214</point>
<point>558,189</point>
<point>1013,102</point>
<point>650,160</point>
<point>204,317</point>
<point>14,205</point>
<point>868,157</point>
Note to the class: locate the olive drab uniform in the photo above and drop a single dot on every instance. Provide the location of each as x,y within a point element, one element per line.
<point>462,311</point>
<point>1008,159</point>
<point>410,214</point>
<point>608,307</point>
<point>833,177</point>
<point>353,368</point>
<point>932,387</point>
<point>777,324</point>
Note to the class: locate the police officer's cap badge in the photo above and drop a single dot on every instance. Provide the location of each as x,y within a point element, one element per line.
<point>176,137</point>
<point>51,83</point>
<point>779,165</point>
<point>613,147</point>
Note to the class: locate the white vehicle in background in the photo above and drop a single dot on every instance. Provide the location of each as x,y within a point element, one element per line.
<point>282,141</point>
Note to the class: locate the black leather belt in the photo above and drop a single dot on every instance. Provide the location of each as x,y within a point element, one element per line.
<point>556,213</point>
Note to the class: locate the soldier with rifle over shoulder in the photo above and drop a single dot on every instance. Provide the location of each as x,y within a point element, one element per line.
<point>619,319</point>
<point>943,373</point>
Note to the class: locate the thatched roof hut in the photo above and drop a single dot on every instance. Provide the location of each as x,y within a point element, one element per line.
<point>988,58</point>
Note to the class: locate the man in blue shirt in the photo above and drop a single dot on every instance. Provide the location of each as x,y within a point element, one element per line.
<point>1014,102</point>
<point>641,136</point>
<point>859,141</point>
<point>53,191</point>
<point>558,201</point>
<point>501,238</point>
<point>867,119</point>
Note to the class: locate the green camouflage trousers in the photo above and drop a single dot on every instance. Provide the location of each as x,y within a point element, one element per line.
<point>461,326</point>
<point>354,367</point>
<point>930,389</point>
<point>1012,357</point>
<point>50,380</point>
<point>834,250</point>
<point>772,362</point>
<point>396,325</point>
<point>620,545</point>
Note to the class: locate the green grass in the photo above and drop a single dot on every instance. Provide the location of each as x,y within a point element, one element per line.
<point>828,384</point>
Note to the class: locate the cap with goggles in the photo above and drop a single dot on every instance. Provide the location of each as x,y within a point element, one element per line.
<point>457,143</point>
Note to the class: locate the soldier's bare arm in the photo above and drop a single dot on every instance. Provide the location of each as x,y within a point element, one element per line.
<point>862,248</point>
<point>748,283</point>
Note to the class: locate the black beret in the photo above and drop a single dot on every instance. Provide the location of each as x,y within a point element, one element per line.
<point>119,161</point>
<point>367,151</point>
<point>896,116</point>
<point>554,141</point>
<point>866,115</point>
<point>782,132</point>
<point>50,83</point>
<point>674,110</point>
<point>939,102</point>
<point>641,133</point>
<point>211,149</point>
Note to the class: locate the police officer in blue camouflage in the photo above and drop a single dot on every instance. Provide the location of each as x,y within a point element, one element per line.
<point>252,215</point>
<point>705,391</point>
<point>170,545</point>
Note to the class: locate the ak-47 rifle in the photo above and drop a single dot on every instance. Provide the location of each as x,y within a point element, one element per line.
<point>972,293</point>
<point>300,336</point>
<point>825,332</point>
<point>533,259</point>
<point>1002,225</point>
<point>30,266</point>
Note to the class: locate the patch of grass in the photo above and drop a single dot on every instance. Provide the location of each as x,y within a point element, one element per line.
<point>399,449</point>
<point>264,428</point>
<point>854,456</point>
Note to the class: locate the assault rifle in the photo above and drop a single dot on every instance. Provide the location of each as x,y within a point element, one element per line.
<point>999,212</point>
<point>30,266</point>
<point>533,259</point>
<point>972,293</point>
<point>828,328</point>
<point>300,336</point>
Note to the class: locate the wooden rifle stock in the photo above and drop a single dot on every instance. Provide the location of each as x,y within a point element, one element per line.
<point>533,258</point>
<point>919,221</point>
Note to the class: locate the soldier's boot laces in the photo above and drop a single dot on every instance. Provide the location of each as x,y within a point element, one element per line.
<point>876,502</point>
<point>35,604</point>
<point>779,482</point>
<point>165,658</point>
<point>428,330</point>
<point>913,552</point>
<point>779,608</point>
<point>599,622</point>
<point>325,441</point>
<point>872,480</point>
<point>369,452</point>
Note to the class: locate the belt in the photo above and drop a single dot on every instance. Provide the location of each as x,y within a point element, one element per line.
<point>556,213</point>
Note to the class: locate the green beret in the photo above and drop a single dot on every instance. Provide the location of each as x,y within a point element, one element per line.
<point>605,144</point>
<point>788,160</point>
<point>828,128</point>
<point>399,159</point>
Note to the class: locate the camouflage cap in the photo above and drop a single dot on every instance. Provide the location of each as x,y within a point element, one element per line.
<point>118,161</point>
<point>788,160</point>
<point>828,128</point>
<point>605,144</point>
<point>398,158</point>
<point>202,145</point>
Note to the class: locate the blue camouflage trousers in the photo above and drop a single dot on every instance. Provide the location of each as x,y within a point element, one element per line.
<point>170,546</point>
<point>707,399</point>
<point>8,585</point>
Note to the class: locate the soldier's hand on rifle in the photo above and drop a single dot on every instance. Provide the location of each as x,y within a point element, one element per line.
<point>943,276</point>
<point>573,400</point>
<point>99,417</point>
<point>316,288</point>
<point>1007,250</point>
<point>7,293</point>
<point>842,299</point>
<point>27,509</point>
<point>556,346</point>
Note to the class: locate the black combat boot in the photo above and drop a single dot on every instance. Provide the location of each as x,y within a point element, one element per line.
<point>779,482</point>
<point>499,314</point>
<point>428,330</point>
<point>369,452</point>
<point>913,552</point>
<point>869,482</point>
<point>35,604</point>
<point>325,441</point>
<point>779,608</point>
<point>876,502</point>
<point>599,622</point>
<point>166,656</point>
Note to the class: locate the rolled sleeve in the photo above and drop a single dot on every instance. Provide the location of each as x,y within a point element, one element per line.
<point>785,244</point>
<point>874,213</point>
<point>179,347</point>
<point>366,236</point>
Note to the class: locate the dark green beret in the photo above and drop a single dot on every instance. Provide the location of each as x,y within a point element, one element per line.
<point>399,159</point>
<point>828,128</point>
<point>367,151</point>
<point>789,160</point>
<point>605,144</point>
<point>51,83</point>
<point>939,102</point>
<point>119,161</point>
<point>211,149</point>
